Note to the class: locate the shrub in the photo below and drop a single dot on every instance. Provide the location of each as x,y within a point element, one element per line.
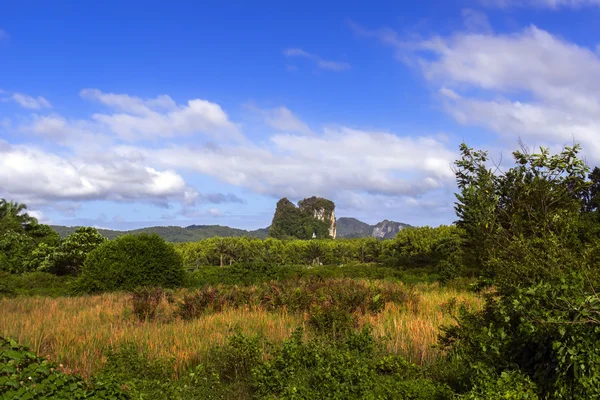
<point>350,368</point>
<point>143,377</point>
<point>35,284</point>
<point>331,319</point>
<point>548,332</point>
<point>132,261</point>
<point>24,375</point>
<point>146,302</point>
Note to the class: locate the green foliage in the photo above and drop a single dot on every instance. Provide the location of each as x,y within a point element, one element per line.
<point>549,331</point>
<point>350,368</point>
<point>132,261</point>
<point>250,274</point>
<point>528,230</point>
<point>69,256</point>
<point>35,284</point>
<point>435,250</point>
<point>24,375</point>
<point>13,217</point>
<point>14,250</point>
<point>176,234</point>
<point>509,385</point>
<point>301,222</point>
<point>537,203</point>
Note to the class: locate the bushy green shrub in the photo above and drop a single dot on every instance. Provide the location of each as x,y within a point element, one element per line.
<point>132,261</point>
<point>549,332</point>
<point>35,284</point>
<point>24,375</point>
<point>509,385</point>
<point>350,368</point>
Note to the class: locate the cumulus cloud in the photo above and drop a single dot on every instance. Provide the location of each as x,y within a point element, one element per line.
<point>36,176</point>
<point>530,84</point>
<point>30,102</point>
<point>338,160</point>
<point>136,118</point>
<point>98,162</point>
<point>319,62</point>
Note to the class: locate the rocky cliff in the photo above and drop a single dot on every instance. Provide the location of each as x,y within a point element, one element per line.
<point>353,228</point>
<point>313,218</point>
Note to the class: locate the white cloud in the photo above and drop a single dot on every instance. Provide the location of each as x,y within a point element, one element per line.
<point>339,160</point>
<point>95,163</point>
<point>35,176</point>
<point>30,102</point>
<point>530,84</point>
<point>161,117</point>
<point>319,62</point>
<point>552,4</point>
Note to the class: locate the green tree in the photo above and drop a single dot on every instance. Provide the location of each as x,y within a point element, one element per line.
<point>132,261</point>
<point>13,216</point>
<point>69,256</point>
<point>539,326</point>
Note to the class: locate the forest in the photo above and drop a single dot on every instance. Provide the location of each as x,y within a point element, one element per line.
<point>502,304</point>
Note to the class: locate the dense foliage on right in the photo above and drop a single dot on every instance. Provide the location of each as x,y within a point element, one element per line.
<point>532,232</point>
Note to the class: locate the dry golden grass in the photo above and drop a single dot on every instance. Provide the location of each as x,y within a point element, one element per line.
<point>77,331</point>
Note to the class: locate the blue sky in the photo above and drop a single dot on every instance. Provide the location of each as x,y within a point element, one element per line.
<point>130,114</point>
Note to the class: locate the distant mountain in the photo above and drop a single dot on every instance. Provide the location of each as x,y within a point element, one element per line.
<point>177,234</point>
<point>346,228</point>
<point>353,228</point>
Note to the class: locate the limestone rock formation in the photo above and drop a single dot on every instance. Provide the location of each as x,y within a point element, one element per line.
<point>313,218</point>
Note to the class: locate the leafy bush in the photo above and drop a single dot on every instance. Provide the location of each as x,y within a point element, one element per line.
<point>549,332</point>
<point>35,284</point>
<point>331,319</point>
<point>132,261</point>
<point>141,376</point>
<point>509,385</point>
<point>351,368</point>
<point>24,375</point>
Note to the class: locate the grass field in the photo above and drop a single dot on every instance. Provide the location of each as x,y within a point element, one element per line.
<point>76,331</point>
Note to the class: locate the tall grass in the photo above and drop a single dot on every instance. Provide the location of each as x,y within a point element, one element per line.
<point>77,331</point>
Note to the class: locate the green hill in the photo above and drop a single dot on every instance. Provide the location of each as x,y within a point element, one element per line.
<point>177,234</point>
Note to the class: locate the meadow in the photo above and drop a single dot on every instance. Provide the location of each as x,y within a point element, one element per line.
<point>76,331</point>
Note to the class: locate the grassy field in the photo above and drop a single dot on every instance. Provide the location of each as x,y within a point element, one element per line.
<point>76,331</point>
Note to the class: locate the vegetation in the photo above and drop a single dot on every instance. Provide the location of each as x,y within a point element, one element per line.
<point>24,375</point>
<point>175,234</point>
<point>302,222</point>
<point>130,262</point>
<point>516,298</point>
<point>432,250</point>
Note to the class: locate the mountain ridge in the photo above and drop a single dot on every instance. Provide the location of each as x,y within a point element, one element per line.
<point>347,227</point>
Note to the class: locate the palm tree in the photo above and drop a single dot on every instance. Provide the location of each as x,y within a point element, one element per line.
<point>12,215</point>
